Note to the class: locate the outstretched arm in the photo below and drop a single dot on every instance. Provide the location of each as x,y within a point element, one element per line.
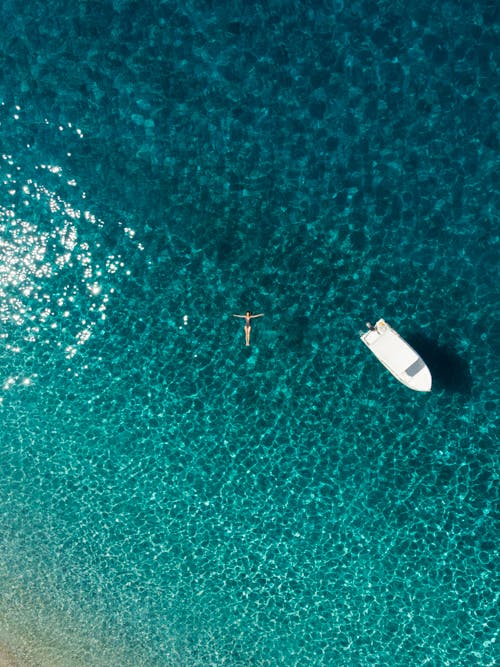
<point>239,316</point>
<point>259,315</point>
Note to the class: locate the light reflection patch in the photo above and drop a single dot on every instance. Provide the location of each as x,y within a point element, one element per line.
<point>55,274</point>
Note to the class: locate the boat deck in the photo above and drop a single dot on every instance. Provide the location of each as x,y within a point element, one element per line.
<point>398,357</point>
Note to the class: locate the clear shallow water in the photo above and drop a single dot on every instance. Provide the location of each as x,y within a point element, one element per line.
<point>168,496</point>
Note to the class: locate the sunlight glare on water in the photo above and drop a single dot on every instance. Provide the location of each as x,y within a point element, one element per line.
<point>55,278</point>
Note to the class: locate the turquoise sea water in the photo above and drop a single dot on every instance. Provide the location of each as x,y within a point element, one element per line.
<point>168,496</point>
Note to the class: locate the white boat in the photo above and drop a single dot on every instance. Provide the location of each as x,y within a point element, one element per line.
<point>397,356</point>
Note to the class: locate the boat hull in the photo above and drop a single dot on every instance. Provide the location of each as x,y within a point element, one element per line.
<point>398,356</point>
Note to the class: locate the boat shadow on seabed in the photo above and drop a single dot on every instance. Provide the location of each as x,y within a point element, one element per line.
<point>448,370</point>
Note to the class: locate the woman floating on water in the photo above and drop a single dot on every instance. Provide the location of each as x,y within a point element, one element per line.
<point>248,317</point>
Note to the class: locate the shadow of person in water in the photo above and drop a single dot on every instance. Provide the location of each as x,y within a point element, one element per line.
<point>448,370</point>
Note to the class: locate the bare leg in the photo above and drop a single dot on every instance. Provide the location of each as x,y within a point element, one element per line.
<point>247,334</point>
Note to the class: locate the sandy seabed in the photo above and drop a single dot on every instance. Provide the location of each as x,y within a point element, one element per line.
<point>7,659</point>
